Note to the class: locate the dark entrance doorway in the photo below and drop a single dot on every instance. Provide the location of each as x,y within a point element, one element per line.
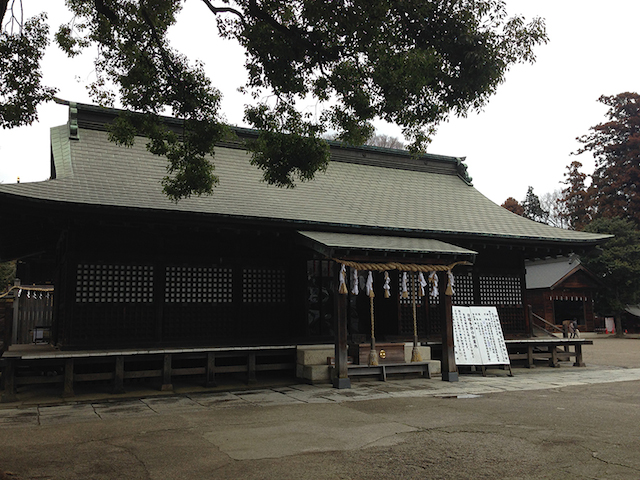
<point>568,310</point>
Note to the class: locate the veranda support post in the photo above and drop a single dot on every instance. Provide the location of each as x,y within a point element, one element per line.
<point>449,368</point>
<point>341,379</point>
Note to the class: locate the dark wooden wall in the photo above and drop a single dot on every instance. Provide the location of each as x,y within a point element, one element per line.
<point>6,323</point>
<point>161,287</point>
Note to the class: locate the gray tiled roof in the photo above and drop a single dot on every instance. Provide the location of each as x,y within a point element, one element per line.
<point>546,273</point>
<point>94,171</point>
<point>381,243</point>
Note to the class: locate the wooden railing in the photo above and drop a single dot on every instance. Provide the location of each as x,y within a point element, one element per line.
<point>545,325</point>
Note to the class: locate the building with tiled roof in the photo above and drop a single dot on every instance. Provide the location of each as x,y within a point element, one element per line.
<point>560,290</point>
<point>254,263</point>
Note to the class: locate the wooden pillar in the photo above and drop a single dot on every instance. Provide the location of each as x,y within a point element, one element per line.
<point>579,362</point>
<point>8,379</point>
<point>529,324</point>
<point>528,321</point>
<point>118,377</point>
<point>530,362</point>
<point>16,311</point>
<point>553,361</point>
<point>210,380</point>
<point>166,373</point>
<point>68,378</point>
<point>341,379</point>
<point>449,368</point>
<point>251,368</point>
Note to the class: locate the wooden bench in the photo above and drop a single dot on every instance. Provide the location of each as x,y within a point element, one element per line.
<point>553,350</point>
<point>385,369</point>
<point>27,367</point>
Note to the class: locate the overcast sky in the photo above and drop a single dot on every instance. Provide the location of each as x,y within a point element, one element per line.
<point>524,137</point>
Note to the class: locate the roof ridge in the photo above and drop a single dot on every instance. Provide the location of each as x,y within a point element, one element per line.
<point>360,154</point>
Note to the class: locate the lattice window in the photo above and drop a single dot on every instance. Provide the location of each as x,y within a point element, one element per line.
<point>114,283</point>
<point>263,285</point>
<point>500,290</point>
<point>463,290</point>
<point>405,325</point>
<point>198,285</point>
<point>419,299</point>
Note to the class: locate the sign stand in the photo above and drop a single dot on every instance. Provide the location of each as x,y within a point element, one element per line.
<point>478,338</point>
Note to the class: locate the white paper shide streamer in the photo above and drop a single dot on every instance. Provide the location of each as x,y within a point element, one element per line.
<point>433,280</point>
<point>405,290</point>
<point>369,285</point>
<point>354,282</point>
<point>421,284</point>
<point>387,285</point>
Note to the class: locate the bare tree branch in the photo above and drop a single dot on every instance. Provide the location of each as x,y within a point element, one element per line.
<point>217,10</point>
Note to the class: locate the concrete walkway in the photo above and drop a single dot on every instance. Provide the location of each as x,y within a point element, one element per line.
<point>469,385</point>
<point>566,422</point>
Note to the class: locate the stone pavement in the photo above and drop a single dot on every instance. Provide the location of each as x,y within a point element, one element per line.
<point>568,422</point>
<point>470,385</point>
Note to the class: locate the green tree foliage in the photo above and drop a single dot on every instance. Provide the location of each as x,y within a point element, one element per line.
<point>408,62</point>
<point>22,45</point>
<point>533,209</point>
<point>615,145</point>
<point>617,264</point>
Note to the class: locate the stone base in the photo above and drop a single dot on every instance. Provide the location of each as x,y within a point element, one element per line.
<point>312,363</point>
<point>341,383</point>
<point>450,376</point>
<point>425,352</point>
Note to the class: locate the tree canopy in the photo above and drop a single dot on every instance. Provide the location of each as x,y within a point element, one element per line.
<point>575,198</point>
<point>411,62</point>
<point>615,145</point>
<point>617,263</point>
<point>513,206</point>
<point>533,209</point>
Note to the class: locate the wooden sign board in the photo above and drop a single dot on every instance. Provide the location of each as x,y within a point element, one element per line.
<point>477,337</point>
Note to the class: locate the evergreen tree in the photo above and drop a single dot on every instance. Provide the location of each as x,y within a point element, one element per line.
<point>533,209</point>
<point>617,264</point>
<point>576,198</point>
<point>615,145</point>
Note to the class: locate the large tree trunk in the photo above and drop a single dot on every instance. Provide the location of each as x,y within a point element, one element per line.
<point>3,10</point>
<point>618,323</point>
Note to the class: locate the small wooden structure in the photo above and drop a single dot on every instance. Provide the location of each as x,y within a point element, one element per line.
<point>552,350</point>
<point>562,289</point>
